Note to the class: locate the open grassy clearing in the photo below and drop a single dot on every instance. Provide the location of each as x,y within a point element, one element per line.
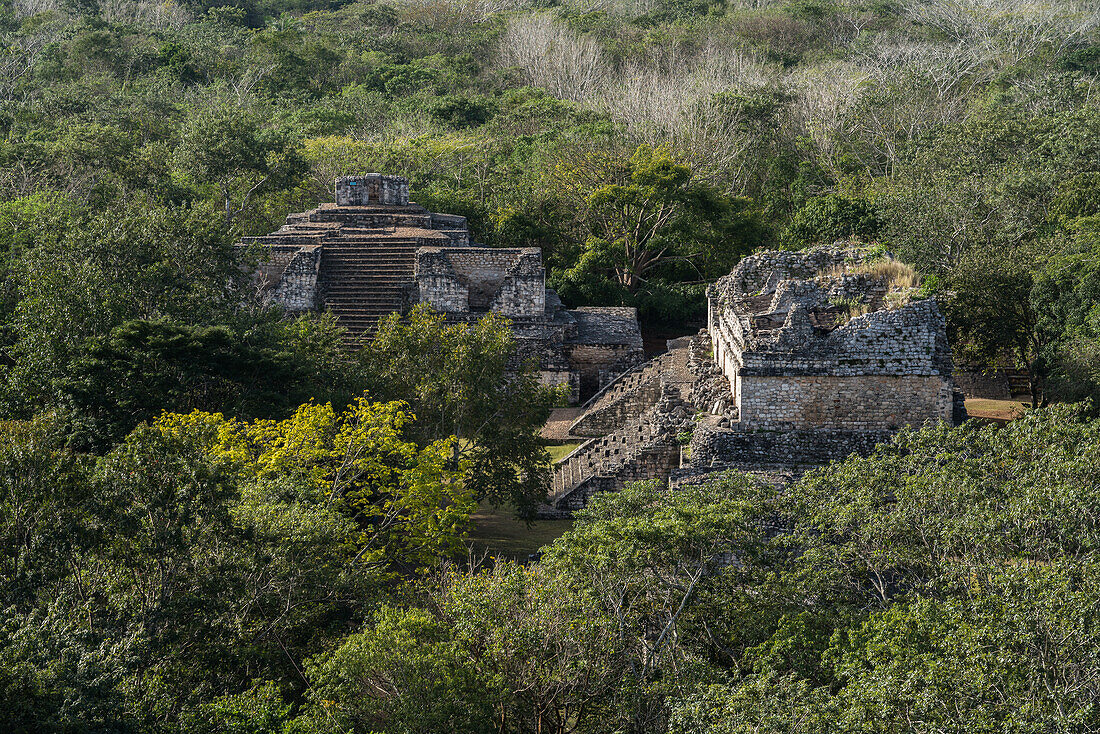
<point>560,451</point>
<point>996,410</point>
<point>496,531</point>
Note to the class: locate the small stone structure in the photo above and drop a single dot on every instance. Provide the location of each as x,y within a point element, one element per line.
<point>374,252</point>
<point>582,348</point>
<point>373,188</point>
<point>808,357</point>
<point>794,358</point>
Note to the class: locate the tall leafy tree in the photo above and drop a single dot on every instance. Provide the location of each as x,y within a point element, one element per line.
<point>238,153</point>
<point>470,382</point>
<point>662,214</point>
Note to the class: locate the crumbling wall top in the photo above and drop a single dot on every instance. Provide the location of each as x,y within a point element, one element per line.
<point>830,310</point>
<point>911,340</point>
<point>760,274</point>
<point>372,188</point>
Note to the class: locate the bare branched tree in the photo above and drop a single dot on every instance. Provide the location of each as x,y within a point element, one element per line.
<point>684,103</point>
<point>144,13</point>
<point>908,89</point>
<point>18,59</point>
<point>27,8</point>
<point>477,10</point>
<point>1010,30</point>
<point>821,98</point>
<point>552,56</point>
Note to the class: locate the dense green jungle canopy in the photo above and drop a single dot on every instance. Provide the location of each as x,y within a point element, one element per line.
<point>204,526</point>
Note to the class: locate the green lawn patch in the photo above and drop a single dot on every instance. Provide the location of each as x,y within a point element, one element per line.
<point>561,450</point>
<point>498,533</point>
<point>995,410</point>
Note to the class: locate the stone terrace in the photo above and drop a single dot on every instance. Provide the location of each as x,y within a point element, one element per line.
<point>363,257</point>
<point>374,253</point>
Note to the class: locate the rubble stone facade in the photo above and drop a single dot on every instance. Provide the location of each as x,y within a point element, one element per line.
<point>511,282</point>
<point>808,357</point>
<point>373,253</point>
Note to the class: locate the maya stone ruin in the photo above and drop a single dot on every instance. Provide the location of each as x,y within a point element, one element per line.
<point>373,252</point>
<point>808,357</point>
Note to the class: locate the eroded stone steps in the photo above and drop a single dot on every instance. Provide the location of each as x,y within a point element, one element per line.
<point>632,394</point>
<point>633,453</point>
<point>365,286</point>
<point>366,268</point>
<point>365,279</point>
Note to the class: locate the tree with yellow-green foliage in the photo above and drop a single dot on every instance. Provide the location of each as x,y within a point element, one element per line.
<point>203,554</point>
<point>470,386</point>
<point>407,504</point>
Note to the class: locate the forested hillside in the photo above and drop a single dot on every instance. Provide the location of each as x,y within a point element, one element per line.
<point>215,519</point>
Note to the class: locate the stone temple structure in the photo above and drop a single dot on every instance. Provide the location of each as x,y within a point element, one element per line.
<point>808,357</point>
<point>373,253</point>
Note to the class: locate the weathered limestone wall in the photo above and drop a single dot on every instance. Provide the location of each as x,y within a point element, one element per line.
<point>727,344</point>
<point>809,383</point>
<point>911,340</point>
<point>801,447</point>
<point>881,370</point>
<point>523,290</point>
<point>454,227</point>
<point>437,283</point>
<point>271,268</point>
<point>756,272</point>
<point>372,188</point>
<point>288,275</point>
<point>479,279</point>
<point>862,402</point>
<point>607,342</point>
<point>297,288</point>
<point>596,364</point>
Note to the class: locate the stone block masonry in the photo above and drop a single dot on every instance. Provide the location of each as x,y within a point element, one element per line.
<point>864,402</point>
<point>480,279</point>
<point>714,447</point>
<point>812,383</point>
<point>793,359</point>
<point>297,288</point>
<point>372,188</point>
<point>809,357</point>
<point>374,252</point>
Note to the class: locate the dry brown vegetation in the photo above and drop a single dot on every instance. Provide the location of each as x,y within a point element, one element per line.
<point>900,280</point>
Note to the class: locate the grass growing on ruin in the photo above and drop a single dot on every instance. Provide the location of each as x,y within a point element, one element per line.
<point>499,534</point>
<point>901,280</point>
<point>561,450</point>
<point>896,275</point>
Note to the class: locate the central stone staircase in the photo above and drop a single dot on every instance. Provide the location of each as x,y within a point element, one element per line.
<point>368,255</point>
<point>365,278</point>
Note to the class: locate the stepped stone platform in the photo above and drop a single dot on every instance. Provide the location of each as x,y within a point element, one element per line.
<point>356,261</point>
<point>373,253</point>
<point>809,357</point>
